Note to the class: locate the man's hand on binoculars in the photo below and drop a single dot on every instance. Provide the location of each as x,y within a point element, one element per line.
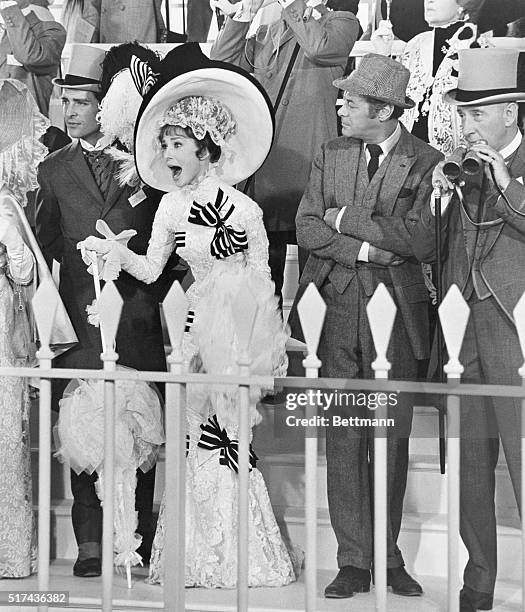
<point>494,160</point>
<point>383,257</point>
<point>440,180</point>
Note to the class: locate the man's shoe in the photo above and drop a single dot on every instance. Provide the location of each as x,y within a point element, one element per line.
<point>348,581</point>
<point>475,599</point>
<point>402,583</point>
<point>87,568</point>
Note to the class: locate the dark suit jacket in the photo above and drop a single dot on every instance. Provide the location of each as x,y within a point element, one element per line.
<point>383,220</point>
<point>502,254</point>
<point>68,206</point>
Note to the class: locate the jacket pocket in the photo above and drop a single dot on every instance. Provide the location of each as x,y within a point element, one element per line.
<point>415,293</point>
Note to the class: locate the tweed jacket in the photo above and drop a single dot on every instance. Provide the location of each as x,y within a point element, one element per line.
<point>68,206</point>
<point>30,50</point>
<point>401,186</point>
<point>500,250</point>
<point>306,116</point>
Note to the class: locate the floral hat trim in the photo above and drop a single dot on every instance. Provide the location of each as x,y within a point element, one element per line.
<point>202,115</point>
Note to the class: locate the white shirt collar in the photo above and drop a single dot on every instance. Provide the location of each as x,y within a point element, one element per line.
<point>512,147</point>
<point>101,144</point>
<point>388,144</point>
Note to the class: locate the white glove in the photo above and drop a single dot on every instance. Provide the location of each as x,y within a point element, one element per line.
<point>225,6</point>
<point>383,38</point>
<point>109,250</point>
<point>247,9</point>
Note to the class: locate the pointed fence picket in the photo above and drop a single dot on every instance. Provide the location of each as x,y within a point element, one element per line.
<point>175,308</point>
<point>244,314</point>
<point>519,318</point>
<point>312,311</point>
<point>453,315</point>
<point>109,306</point>
<point>44,304</point>
<point>381,311</point>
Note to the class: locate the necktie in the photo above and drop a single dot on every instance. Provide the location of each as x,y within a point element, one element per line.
<point>375,151</point>
<point>101,168</point>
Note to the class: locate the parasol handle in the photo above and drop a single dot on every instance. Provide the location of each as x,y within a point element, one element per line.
<point>96,282</point>
<point>128,574</point>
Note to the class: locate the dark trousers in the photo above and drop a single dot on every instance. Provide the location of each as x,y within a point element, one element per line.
<point>490,354</point>
<point>86,513</point>
<point>346,351</point>
<point>277,244</point>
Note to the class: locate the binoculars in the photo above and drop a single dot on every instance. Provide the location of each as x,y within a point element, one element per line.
<point>462,159</point>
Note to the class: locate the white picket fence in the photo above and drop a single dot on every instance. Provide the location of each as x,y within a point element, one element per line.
<point>381,311</point>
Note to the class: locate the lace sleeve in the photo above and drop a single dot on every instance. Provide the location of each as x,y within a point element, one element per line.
<point>257,253</point>
<point>148,268</point>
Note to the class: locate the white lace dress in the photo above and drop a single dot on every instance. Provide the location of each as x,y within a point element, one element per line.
<point>214,218</point>
<point>17,527</point>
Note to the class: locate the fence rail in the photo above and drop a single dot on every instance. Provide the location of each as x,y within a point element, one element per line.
<point>381,314</point>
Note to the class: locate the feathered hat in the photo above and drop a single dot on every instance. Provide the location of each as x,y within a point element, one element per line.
<point>236,112</point>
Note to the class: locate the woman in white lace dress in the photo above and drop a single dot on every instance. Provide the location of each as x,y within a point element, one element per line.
<point>195,145</point>
<point>20,152</point>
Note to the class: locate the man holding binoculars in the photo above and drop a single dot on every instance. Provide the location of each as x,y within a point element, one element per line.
<point>483,229</point>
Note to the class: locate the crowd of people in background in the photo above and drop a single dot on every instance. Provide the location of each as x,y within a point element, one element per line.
<point>216,164</point>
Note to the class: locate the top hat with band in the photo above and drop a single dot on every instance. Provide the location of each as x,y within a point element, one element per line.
<point>84,70</point>
<point>501,79</point>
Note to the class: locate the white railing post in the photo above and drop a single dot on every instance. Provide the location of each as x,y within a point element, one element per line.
<point>244,313</point>
<point>44,304</point>
<point>109,307</point>
<point>381,312</point>
<point>175,307</point>
<point>312,310</point>
<point>453,315</point>
<point>519,317</point>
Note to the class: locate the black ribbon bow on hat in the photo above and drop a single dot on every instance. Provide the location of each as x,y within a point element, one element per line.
<point>226,240</point>
<point>213,437</point>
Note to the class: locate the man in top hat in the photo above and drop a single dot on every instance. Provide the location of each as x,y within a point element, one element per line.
<point>305,117</point>
<point>77,187</point>
<point>353,218</point>
<point>31,46</point>
<point>484,250</point>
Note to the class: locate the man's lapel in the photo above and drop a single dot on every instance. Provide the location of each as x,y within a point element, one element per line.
<point>79,169</point>
<point>403,158</point>
<point>516,169</point>
<point>346,170</point>
<point>113,195</point>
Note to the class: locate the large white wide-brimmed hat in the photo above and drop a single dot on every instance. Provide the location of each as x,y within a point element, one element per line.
<point>193,74</point>
<point>489,76</point>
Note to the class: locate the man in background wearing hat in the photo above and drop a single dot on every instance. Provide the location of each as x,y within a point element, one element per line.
<point>353,218</point>
<point>31,46</point>
<point>306,115</point>
<point>77,187</point>
<point>484,246</point>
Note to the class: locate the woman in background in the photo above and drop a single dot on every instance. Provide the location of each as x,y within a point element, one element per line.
<point>432,59</point>
<point>21,125</point>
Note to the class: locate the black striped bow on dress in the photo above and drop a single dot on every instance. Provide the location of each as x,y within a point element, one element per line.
<point>226,240</point>
<point>213,437</point>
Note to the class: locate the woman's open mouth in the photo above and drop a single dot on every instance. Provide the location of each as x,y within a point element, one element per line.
<point>175,172</point>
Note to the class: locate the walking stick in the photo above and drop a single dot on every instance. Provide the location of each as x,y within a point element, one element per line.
<point>277,102</point>
<point>439,333</point>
